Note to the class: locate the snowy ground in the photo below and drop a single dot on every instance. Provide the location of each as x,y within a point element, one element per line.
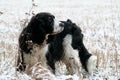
<point>98,19</point>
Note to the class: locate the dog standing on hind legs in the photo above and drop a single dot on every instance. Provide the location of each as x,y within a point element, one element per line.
<point>68,47</point>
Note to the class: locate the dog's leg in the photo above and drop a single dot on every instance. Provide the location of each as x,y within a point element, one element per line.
<point>91,64</point>
<point>73,65</point>
<point>21,66</point>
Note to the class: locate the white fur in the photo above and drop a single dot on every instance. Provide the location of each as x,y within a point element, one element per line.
<point>37,55</point>
<point>57,27</point>
<point>71,57</point>
<point>91,64</point>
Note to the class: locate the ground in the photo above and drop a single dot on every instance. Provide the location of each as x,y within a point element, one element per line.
<point>98,19</point>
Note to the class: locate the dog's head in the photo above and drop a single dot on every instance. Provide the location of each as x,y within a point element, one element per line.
<point>45,22</point>
<point>42,24</point>
<point>77,35</point>
<point>69,26</point>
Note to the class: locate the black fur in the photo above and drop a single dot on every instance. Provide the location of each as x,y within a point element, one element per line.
<point>34,33</point>
<point>37,28</point>
<point>56,51</point>
<point>84,56</point>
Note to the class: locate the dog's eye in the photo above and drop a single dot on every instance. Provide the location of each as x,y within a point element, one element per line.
<point>50,19</point>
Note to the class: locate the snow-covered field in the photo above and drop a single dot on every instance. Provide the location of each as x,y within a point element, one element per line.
<point>98,19</point>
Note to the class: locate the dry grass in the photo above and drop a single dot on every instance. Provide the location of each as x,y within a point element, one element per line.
<point>99,23</point>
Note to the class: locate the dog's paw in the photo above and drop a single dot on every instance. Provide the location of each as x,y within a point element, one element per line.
<point>91,64</point>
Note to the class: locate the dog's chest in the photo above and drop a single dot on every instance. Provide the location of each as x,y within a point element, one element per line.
<point>68,49</point>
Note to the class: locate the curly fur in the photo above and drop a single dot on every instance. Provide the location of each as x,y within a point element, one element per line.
<point>68,47</point>
<point>32,48</point>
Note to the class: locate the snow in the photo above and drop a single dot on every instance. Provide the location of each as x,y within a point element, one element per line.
<point>98,19</point>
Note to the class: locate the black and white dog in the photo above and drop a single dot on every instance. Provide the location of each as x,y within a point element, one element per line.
<point>68,47</point>
<point>32,44</point>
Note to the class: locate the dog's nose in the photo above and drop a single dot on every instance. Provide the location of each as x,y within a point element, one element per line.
<point>61,24</point>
